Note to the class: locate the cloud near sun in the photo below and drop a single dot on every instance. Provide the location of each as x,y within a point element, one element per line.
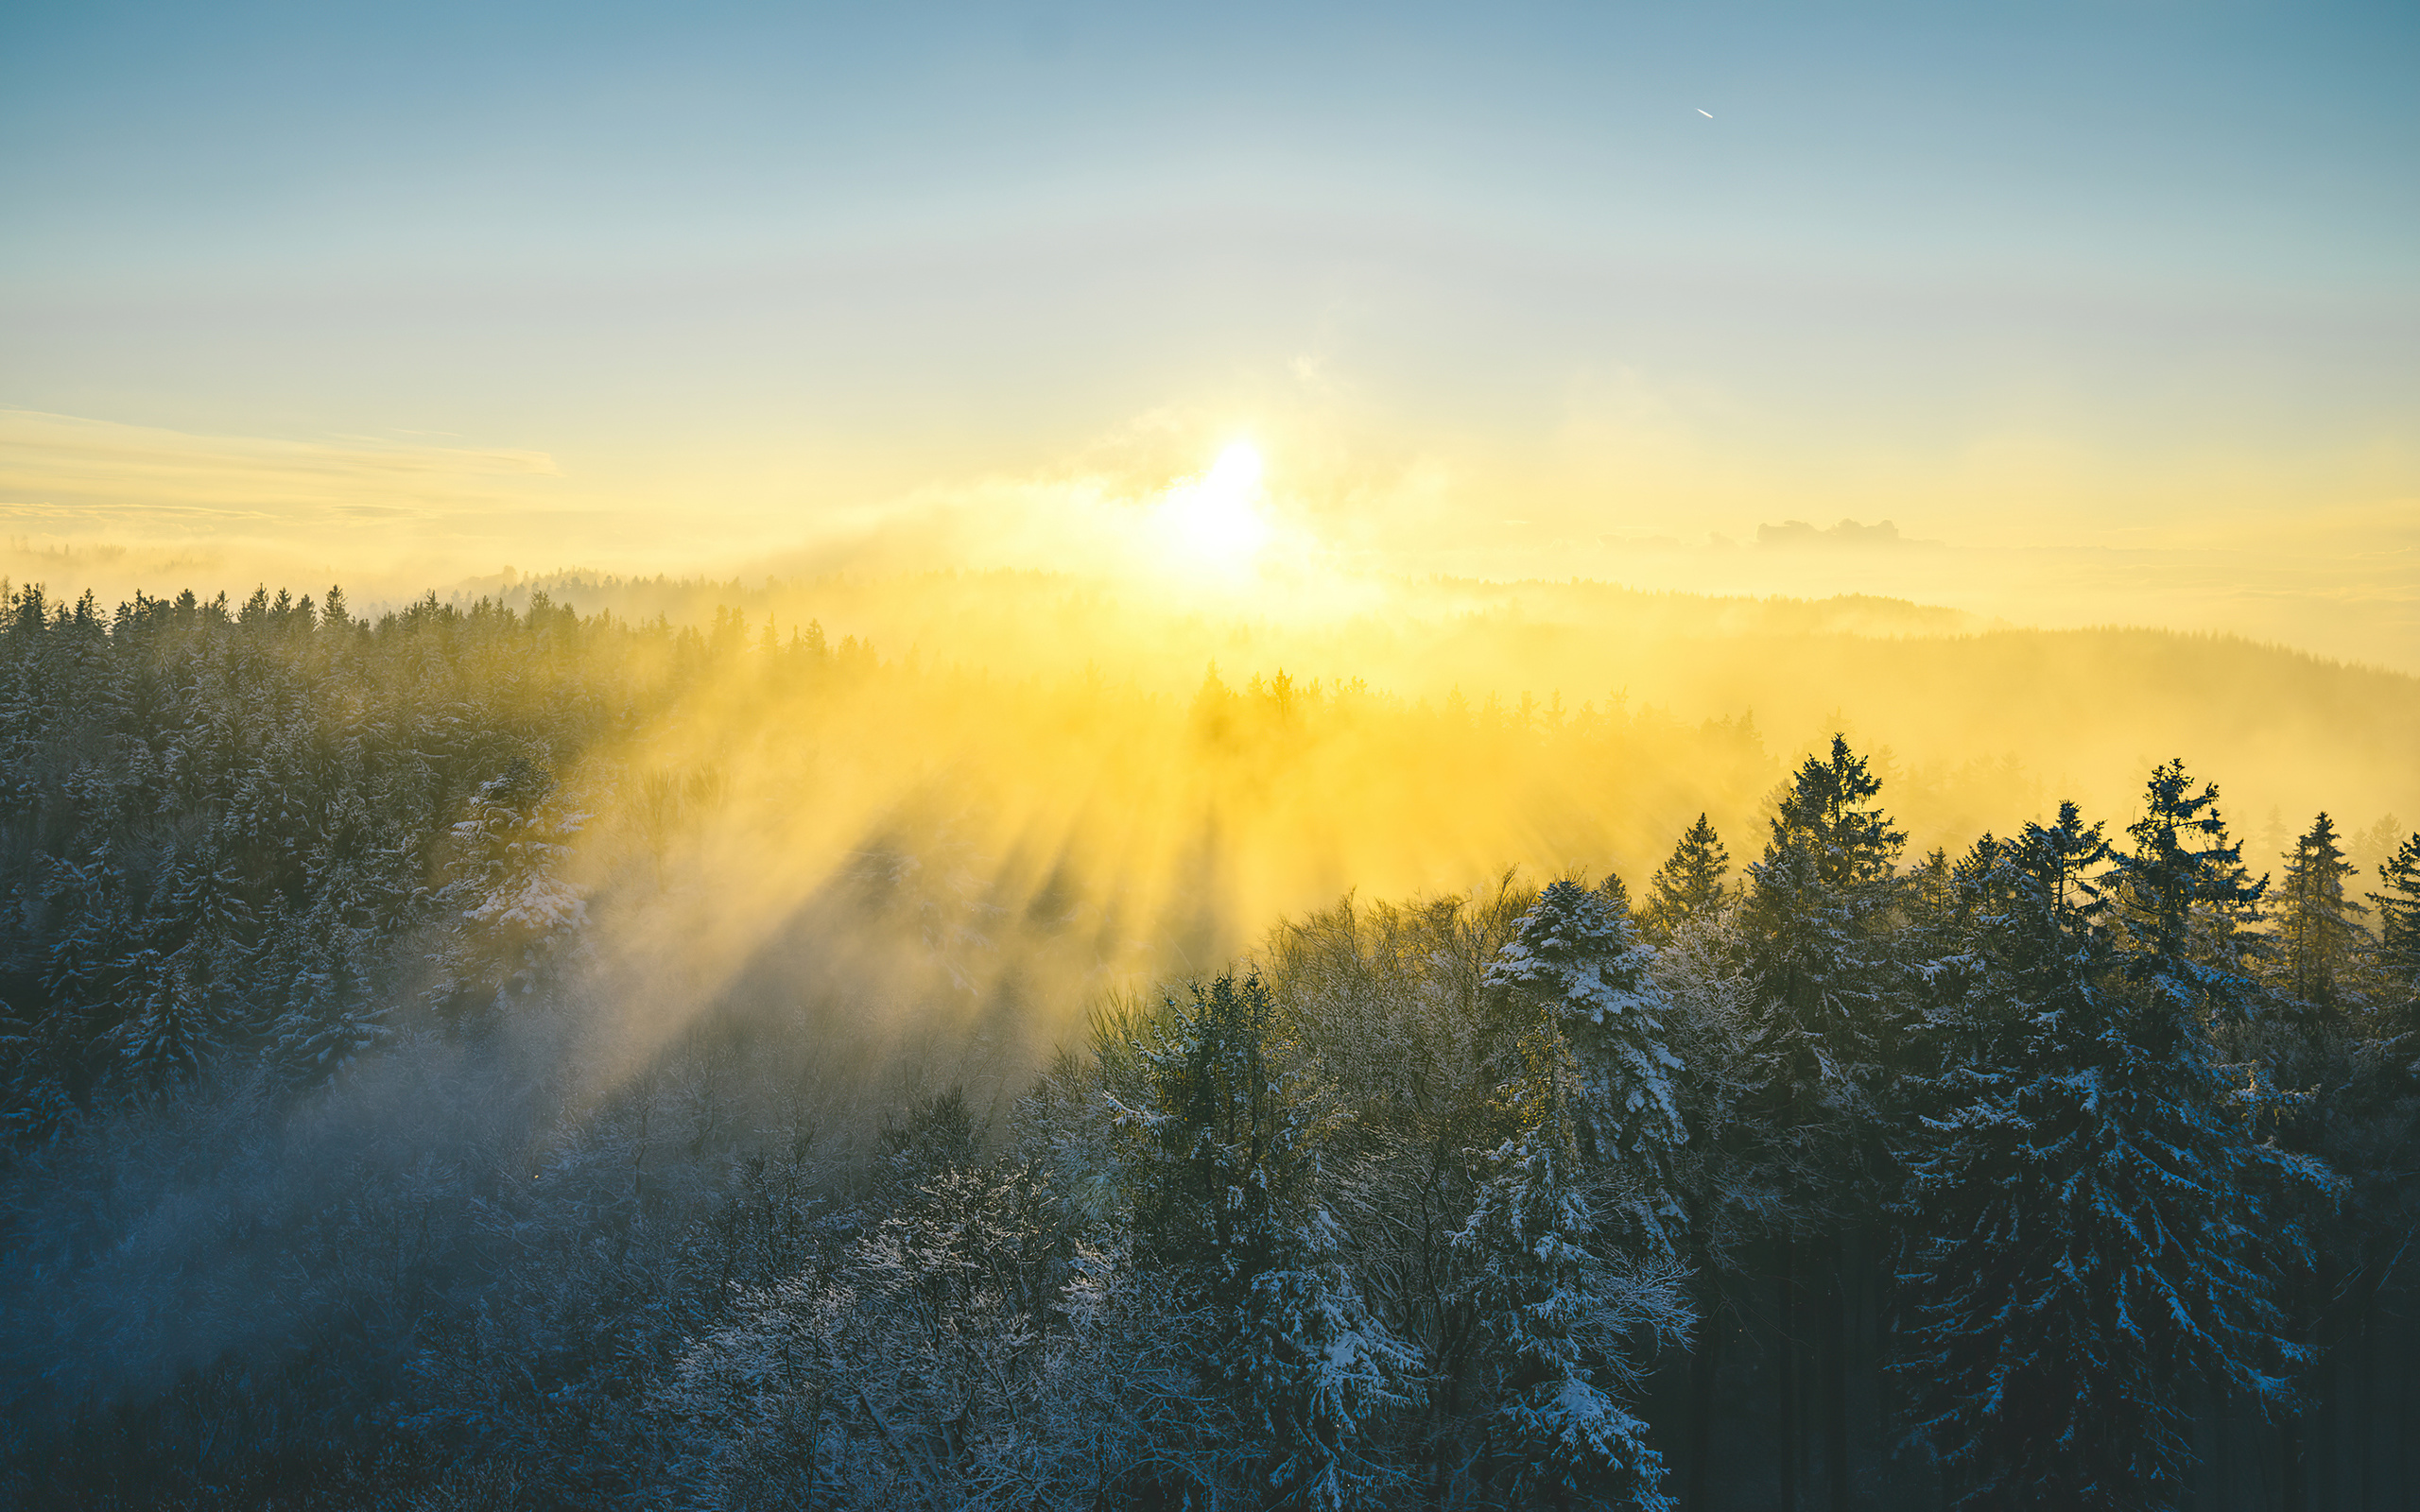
<point>1199,514</point>
<point>75,491</point>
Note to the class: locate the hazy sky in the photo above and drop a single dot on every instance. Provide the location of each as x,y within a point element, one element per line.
<point>2119,302</point>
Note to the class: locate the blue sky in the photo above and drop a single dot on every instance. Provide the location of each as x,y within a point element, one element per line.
<point>1680,269</point>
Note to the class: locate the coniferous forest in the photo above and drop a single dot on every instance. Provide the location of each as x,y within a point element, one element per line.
<point>490,1058</point>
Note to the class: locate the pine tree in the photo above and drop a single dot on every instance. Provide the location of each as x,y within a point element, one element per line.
<point>1585,1014</point>
<point>1546,1305</point>
<point>1829,1011</point>
<point>2398,907</point>
<point>510,912</point>
<point>186,1002</point>
<point>89,970</point>
<point>2055,1203</point>
<point>1616,892</point>
<point>2091,1226</point>
<point>2319,931</point>
<point>2182,897</point>
<point>1222,1161</point>
<point>330,1019</point>
<point>1689,883</point>
<point>2086,1224</point>
<point>172,1029</point>
<point>1815,903</point>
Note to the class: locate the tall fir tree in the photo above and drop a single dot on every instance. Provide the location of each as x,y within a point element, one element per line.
<point>1689,884</point>
<point>2187,1210</point>
<point>2398,906</point>
<point>1817,902</point>
<point>172,1029</point>
<point>1829,1011</point>
<point>1550,1313</point>
<point>2026,1360</point>
<point>1579,1008</point>
<point>1222,1162</point>
<point>1577,1217</point>
<point>2183,898</point>
<point>2320,934</point>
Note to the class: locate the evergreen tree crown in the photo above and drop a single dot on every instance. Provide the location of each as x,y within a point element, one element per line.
<point>1689,883</point>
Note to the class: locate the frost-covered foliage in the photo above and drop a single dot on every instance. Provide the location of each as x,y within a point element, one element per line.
<point>1731,1178</point>
<point>328,1183</point>
<point>1226,1140</point>
<point>2088,1206</point>
<point>1586,1022</point>
<point>970,1347</point>
<point>1316,1366</point>
<point>218,822</point>
<point>505,908</point>
<point>1566,1262</point>
<point>1553,1313</point>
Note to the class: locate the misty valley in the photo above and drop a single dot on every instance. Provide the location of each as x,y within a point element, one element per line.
<point>628,1044</point>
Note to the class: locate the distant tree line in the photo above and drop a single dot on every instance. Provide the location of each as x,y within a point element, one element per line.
<point>2074,1169</point>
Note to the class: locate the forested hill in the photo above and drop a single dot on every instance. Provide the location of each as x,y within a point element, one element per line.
<point>220,824</point>
<point>2083,711</point>
<point>497,1057</point>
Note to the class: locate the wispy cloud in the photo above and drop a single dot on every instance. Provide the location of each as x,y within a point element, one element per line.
<point>67,474</point>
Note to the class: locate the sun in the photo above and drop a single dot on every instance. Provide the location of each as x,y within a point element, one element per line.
<point>1215,520</point>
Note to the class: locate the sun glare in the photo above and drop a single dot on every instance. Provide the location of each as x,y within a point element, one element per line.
<point>1215,520</point>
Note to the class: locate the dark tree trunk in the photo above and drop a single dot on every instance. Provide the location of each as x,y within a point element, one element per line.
<point>1835,1386</point>
<point>1704,1382</point>
<point>1785,1296</point>
<point>2290,1446</point>
<point>2326,1484</point>
<point>2403,1430</point>
<point>2364,1386</point>
<point>1442,1442</point>
<point>2221,1476</point>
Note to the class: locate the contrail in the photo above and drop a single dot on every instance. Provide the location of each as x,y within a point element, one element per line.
<point>1708,114</point>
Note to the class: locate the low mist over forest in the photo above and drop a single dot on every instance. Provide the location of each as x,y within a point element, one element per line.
<point>1268,758</point>
<point>988,1040</point>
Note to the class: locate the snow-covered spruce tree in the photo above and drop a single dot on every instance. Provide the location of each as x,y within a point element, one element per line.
<point>2040,1253</point>
<point>1688,884</point>
<point>173,1027</point>
<point>1220,1162</point>
<point>181,978</point>
<point>509,912</point>
<point>1558,1296</point>
<point>1580,1007</point>
<point>1550,1314</point>
<point>84,970</point>
<point>2091,1232</point>
<point>332,1014</point>
<point>2344,1037</point>
<point>2183,898</point>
